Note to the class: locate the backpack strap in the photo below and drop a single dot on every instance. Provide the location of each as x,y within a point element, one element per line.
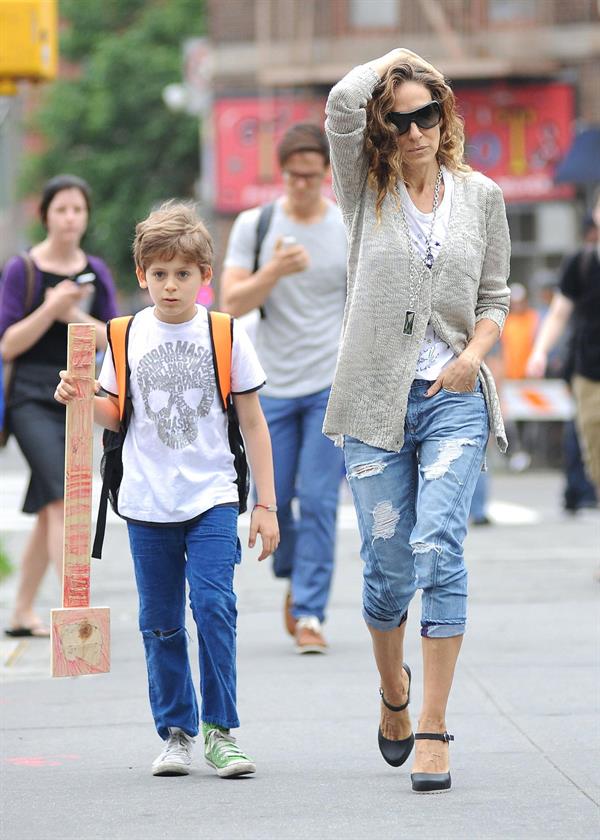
<point>117,331</point>
<point>221,339</point>
<point>262,226</point>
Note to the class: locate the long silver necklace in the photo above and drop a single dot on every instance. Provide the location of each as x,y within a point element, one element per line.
<point>414,274</point>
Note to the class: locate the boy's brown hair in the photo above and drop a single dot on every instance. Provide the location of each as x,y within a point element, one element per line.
<point>173,229</point>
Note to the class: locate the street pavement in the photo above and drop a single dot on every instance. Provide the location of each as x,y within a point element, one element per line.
<point>76,752</point>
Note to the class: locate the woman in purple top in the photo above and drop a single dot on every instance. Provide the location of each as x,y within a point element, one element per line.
<point>68,285</point>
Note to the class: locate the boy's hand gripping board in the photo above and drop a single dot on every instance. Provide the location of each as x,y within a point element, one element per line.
<point>80,633</point>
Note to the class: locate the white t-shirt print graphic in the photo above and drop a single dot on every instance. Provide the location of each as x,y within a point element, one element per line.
<point>177,462</point>
<point>177,384</point>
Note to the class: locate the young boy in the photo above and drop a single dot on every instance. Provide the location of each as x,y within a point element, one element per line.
<point>178,493</point>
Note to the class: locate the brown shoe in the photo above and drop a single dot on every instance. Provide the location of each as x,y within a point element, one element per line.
<point>288,618</point>
<point>309,638</point>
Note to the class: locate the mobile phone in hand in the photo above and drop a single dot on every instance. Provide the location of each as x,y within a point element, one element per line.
<point>82,279</point>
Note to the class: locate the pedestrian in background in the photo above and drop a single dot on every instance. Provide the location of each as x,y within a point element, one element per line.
<point>428,265</point>
<point>578,297</point>
<point>517,342</point>
<point>42,291</point>
<point>297,276</point>
<point>179,493</point>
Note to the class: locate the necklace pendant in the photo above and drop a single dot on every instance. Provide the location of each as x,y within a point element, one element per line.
<point>409,322</point>
<point>428,259</point>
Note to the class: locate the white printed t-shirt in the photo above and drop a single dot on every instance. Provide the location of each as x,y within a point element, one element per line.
<point>177,462</point>
<point>435,354</point>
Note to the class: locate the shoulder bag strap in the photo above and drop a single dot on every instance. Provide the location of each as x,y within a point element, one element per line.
<point>29,281</point>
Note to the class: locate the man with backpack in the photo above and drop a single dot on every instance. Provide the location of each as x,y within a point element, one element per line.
<point>289,259</point>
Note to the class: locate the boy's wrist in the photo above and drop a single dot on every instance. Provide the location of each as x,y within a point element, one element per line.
<point>272,508</point>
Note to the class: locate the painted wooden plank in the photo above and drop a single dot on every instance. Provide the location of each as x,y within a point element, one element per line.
<point>80,641</point>
<point>78,468</point>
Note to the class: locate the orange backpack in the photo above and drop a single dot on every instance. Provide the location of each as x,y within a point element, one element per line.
<point>221,339</point>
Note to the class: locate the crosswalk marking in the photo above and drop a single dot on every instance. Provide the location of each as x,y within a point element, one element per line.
<point>13,487</point>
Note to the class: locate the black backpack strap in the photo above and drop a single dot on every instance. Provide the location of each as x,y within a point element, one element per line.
<point>263,224</point>
<point>102,511</point>
<point>110,460</point>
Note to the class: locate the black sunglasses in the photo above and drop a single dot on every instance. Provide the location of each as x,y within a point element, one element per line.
<point>427,116</point>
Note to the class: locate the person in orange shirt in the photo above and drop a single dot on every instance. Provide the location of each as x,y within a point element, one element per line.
<point>519,334</point>
<point>518,338</point>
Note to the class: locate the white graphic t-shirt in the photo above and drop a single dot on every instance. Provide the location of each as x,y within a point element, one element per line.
<point>435,354</point>
<point>177,462</point>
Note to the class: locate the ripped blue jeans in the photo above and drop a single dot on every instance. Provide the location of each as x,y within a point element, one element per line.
<point>205,553</point>
<point>413,507</point>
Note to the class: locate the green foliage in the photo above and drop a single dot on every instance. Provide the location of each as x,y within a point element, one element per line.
<point>109,123</point>
<point>6,567</point>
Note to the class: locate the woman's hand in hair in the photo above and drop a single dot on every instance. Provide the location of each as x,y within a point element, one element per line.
<point>398,56</point>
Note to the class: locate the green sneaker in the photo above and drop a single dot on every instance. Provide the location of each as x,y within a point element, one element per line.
<point>223,754</point>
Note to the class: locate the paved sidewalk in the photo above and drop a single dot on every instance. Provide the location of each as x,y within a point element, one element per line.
<point>76,753</point>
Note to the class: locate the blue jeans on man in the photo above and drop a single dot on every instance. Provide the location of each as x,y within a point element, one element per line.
<point>307,466</point>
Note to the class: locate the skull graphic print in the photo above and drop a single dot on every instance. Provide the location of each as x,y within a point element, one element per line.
<point>177,384</point>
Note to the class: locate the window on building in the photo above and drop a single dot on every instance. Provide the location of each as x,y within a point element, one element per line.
<point>506,11</point>
<point>373,14</point>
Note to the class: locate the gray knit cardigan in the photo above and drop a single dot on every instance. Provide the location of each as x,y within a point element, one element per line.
<point>468,282</point>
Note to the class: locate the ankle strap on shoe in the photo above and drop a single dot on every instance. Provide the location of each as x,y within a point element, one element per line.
<point>389,705</point>
<point>433,736</point>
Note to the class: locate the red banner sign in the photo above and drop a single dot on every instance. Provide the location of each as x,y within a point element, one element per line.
<point>247,132</point>
<point>517,135</point>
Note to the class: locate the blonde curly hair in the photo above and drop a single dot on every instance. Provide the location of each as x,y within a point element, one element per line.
<point>381,138</point>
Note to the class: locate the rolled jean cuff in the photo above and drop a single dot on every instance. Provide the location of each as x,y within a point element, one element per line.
<point>430,630</point>
<point>385,624</point>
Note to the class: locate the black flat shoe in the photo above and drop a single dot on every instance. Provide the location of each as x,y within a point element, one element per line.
<point>396,752</point>
<point>432,782</point>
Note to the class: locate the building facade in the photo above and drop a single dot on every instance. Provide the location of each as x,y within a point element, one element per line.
<point>526,74</point>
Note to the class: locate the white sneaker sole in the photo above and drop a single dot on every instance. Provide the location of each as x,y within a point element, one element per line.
<point>240,768</point>
<point>168,768</point>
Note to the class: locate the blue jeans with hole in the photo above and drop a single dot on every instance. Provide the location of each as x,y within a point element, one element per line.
<point>204,553</point>
<point>413,507</point>
<point>309,466</point>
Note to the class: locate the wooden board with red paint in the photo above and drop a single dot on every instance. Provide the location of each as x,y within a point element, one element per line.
<point>80,633</point>
<point>80,641</point>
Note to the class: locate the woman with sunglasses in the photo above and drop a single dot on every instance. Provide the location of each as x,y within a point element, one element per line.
<point>412,401</point>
